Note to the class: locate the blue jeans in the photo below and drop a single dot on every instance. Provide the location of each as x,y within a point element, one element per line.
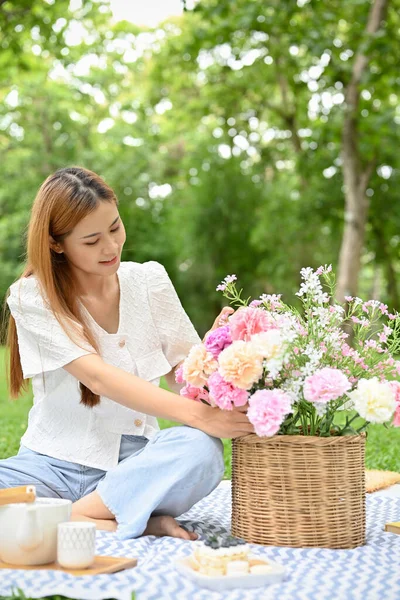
<point>166,475</point>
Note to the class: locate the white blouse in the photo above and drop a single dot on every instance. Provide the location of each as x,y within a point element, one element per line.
<point>154,334</point>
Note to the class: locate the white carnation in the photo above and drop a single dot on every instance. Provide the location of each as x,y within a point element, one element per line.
<point>373,400</point>
<point>269,344</point>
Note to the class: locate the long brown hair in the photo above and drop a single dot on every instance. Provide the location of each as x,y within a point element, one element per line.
<point>62,201</point>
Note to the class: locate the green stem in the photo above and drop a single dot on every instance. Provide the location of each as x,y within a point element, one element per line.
<point>313,421</point>
<point>363,427</point>
<point>347,424</point>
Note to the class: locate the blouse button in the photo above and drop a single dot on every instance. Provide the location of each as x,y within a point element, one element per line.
<point>122,343</point>
<point>138,422</point>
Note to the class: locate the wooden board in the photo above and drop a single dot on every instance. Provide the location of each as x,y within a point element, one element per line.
<point>102,564</point>
<point>393,527</point>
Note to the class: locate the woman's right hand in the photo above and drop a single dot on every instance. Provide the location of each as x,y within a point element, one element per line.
<point>223,423</point>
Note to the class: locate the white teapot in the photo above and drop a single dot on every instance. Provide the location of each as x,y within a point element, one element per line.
<point>28,531</point>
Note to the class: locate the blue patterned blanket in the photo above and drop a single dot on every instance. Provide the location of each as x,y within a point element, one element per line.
<point>371,572</point>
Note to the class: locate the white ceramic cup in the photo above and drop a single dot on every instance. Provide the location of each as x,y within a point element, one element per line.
<point>76,542</point>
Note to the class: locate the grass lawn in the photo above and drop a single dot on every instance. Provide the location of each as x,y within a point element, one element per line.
<point>383,445</point>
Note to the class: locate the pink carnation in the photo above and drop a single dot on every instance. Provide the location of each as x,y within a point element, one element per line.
<point>198,365</point>
<point>268,408</point>
<point>179,374</point>
<point>241,364</point>
<point>194,393</point>
<point>217,340</point>
<point>395,385</point>
<point>325,385</point>
<point>224,394</point>
<point>247,321</point>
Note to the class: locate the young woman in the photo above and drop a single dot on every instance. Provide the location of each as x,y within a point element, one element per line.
<point>95,335</point>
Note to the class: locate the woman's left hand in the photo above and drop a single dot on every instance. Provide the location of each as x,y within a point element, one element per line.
<point>221,320</point>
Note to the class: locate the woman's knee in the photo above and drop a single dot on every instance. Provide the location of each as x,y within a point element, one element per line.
<point>193,449</point>
<point>208,450</point>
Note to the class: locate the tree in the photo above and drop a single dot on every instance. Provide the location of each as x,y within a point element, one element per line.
<point>220,131</point>
<point>295,68</point>
<point>356,171</point>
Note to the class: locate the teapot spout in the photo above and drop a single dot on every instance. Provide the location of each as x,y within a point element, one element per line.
<point>29,533</point>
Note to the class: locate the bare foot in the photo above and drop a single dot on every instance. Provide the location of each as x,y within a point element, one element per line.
<point>103,524</point>
<point>166,525</point>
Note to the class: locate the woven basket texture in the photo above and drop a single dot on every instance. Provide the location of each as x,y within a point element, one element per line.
<point>299,491</point>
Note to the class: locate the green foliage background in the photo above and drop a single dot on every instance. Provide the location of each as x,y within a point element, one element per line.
<point>220,132</point>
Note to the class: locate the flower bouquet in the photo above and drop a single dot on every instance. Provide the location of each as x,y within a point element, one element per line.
<point>300,479</point>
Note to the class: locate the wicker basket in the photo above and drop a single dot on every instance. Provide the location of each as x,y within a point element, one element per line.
<point>300,491</point>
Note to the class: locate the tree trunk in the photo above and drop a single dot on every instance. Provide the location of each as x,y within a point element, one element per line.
<point>356,176</point>
<point>386,260</point>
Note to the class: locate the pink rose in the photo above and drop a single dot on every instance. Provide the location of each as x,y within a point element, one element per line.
<point>325,385</point>
<point>224,394</point>
<point>247,321</point>
<point>268,408</point>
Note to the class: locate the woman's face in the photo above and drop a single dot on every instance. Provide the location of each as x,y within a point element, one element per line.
<point>95,244</point>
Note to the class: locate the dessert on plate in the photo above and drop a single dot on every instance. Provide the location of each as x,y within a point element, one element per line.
<point>225,555</point>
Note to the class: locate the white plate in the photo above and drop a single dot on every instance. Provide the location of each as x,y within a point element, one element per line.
<point>229,582</point>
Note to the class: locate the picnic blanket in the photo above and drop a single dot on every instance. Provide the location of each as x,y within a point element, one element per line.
<point>370,572</point>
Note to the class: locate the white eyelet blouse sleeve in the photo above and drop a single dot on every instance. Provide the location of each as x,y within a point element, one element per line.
<point>43,343</point>
<point>176,331</point>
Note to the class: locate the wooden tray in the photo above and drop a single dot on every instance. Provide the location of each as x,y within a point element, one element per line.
<point>102,564</point>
